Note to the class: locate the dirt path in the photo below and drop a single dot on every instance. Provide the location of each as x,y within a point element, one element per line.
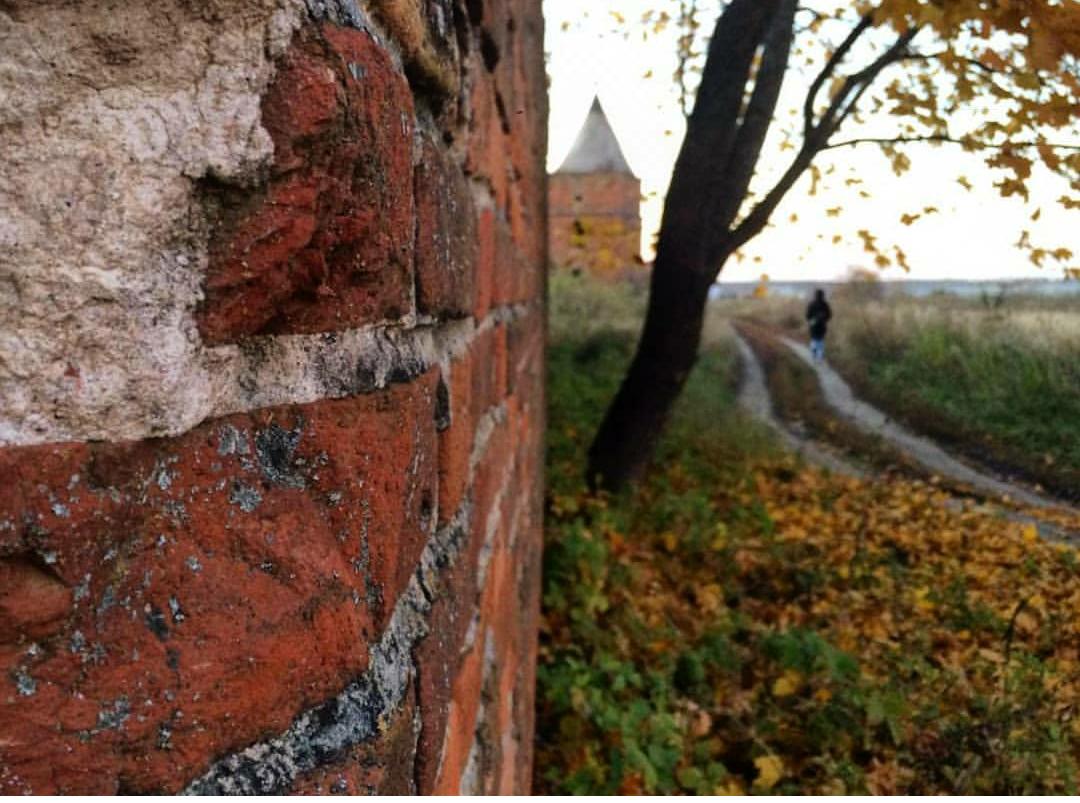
<point>754,397</point>
<point>932,457</point>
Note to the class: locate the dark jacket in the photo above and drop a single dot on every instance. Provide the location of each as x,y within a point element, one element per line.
<point>818,315</point>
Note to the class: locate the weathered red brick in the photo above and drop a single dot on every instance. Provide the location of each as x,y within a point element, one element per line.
<point>486,155</point>
<point>219,583</point>
<point>525,352</point>
<point>461,721</point>
<point>232,586</point>
<point>505,148</point>
<point>515,278</point>
<point>499,354</point>
<point>32,599</point>
<point>327,243</point>
<point>528,143</point>
<point>456,440</point>
<point>484,388</point>
<point>446,244</point>
<point>494,466</point>
<point>439,660</point>
<point>529,561</point>
<point>484,278</point>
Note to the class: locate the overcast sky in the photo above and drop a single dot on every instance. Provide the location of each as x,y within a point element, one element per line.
<point>972,235</point>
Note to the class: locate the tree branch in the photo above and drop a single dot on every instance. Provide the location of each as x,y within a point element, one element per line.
<point>839,109</point>
<point>713,126</point>
<point>859,82</point>
<point>828,70</point>
<point>949,140</point>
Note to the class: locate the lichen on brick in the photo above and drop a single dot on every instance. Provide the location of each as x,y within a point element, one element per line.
<point>26,685</point>
<point>319,735</point>
<point>115,714</point>
<point>245,497</point>
<point>232,441</point>
<point>275,452</point>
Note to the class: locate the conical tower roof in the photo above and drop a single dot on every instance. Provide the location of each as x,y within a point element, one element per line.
<point>596,150</point>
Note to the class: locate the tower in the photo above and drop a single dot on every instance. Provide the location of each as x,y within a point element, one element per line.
<point>594,203</point>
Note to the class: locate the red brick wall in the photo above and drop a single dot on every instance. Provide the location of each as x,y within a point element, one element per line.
<point>595,221</point>
<point>330,582</point>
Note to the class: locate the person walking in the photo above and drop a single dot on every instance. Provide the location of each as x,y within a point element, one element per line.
<point>818,315</point>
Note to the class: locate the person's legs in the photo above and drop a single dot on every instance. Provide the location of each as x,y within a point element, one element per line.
<point>817,347</point>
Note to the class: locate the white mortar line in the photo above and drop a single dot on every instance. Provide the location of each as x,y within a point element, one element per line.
<point>291,369</point>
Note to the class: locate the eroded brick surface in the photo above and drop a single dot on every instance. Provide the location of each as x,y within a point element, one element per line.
<point>327,242</point>
<point>446,244</point>
<point>194,593</point>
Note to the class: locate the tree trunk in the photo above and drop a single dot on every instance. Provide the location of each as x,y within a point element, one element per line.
<point>666,352</point>
<point>724,135</point>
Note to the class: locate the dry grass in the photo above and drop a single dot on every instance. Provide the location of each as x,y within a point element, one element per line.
<point>1027,324</point>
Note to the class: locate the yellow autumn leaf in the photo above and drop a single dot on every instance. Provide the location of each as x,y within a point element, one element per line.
<point>709,597</point>
<point>720,538</point>
<point>993,656</point>
<point>770,771</point>
<point>730,788</point>
<point>921,601</point>
<point>787,684</point>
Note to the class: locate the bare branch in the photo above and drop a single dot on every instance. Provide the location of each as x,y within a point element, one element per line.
<point>945,138</point>
<point>940,55</point>
<point>829,69</point>
<point>842,105</point>
<point>759,215</point>
<point>816,18</point>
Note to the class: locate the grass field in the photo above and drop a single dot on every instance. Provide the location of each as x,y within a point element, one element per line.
<point>1002,385</point>
<point>999,382</point>
<point>741,623</point>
